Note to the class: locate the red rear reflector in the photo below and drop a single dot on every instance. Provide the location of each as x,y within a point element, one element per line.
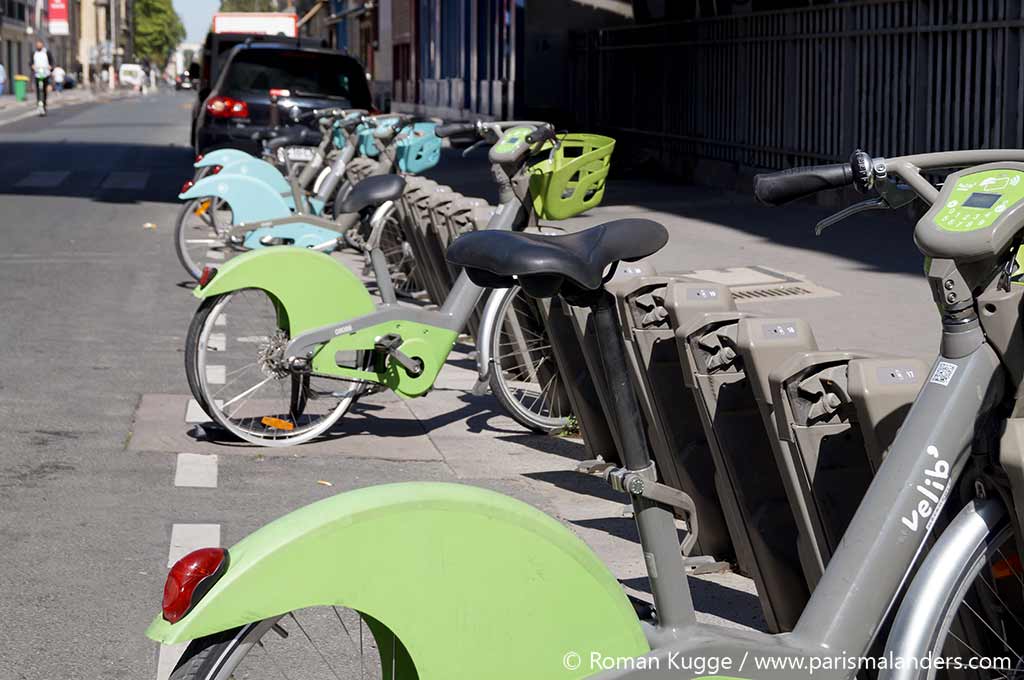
<point>199,157</point>
<point>280,93</point>
<point>186,186</point>
<point>190,579</point>
<point>207,275</point>
<point>215,169</point>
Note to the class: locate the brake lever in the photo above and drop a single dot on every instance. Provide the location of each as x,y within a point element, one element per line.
<point>849,211</point>
<point>891,196</point>
<point>470,149</point>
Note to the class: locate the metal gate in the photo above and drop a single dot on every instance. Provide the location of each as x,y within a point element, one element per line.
<point>782,88</point>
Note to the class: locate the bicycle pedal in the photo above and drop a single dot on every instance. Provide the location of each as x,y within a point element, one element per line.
<point>388,345</point>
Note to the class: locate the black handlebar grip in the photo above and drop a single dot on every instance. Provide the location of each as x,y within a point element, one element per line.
<point>453,129</point>
<point>776,188</point>
<point>541,134</point>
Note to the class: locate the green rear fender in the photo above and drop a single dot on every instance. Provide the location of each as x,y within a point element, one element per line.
<point>313,289</point>
<point>473,583</point>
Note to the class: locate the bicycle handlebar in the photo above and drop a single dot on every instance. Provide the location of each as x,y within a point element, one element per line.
<point>454,129</point>
<point>776,188</point>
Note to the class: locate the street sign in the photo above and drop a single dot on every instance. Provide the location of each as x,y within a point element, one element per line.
<point>58,11</point>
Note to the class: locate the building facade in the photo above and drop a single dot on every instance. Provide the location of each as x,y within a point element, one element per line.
<point>97,52</point>
<point>26,21</point>
<point>467,59</point>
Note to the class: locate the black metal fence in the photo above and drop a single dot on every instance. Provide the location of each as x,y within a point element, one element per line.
<point>774,89</point>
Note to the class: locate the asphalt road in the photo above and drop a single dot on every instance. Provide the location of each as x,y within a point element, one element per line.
<point>93,313</point>
<point>92,319</point>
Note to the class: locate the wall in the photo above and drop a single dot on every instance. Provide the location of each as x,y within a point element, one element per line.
<point>546,49</point>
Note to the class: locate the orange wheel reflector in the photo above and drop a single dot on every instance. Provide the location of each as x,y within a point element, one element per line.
<point>203,207</point>
<point>1006,568</point>
<point>277,423</point>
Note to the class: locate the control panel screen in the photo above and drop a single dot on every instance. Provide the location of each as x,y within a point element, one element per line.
<point>981,200</point>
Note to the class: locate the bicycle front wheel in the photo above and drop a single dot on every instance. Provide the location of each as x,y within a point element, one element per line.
<point>234,362</point>
<point>976,619</point>
<point>524,375</point>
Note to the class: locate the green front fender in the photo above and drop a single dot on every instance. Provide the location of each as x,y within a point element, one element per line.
<point>473,583</point>
<point>313,289</point>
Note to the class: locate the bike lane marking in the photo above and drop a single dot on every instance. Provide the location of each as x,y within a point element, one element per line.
<point>216,375</point>
<point>196,470</point>
<point>43,180</point>
<point>194,413</point>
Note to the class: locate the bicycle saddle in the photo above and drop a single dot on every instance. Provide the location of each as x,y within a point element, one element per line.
<point>371,192</point>
<point>544,265</point>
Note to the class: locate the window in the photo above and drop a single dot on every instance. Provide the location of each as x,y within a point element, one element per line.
<point>304,73</point>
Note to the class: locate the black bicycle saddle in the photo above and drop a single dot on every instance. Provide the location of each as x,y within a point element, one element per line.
<point>371,192</point>
<point>543,265</point>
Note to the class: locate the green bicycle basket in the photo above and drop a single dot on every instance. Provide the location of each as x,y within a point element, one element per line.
<point>571,180</point>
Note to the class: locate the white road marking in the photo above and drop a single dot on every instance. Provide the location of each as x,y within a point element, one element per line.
<point>43,180</point>
<point>256,339</point>
<point>132,181</point>
<point>196,470</point>
<point>214,255</point>
<point>169,655</point>
<point>221,320</point>
<point>188,537</point>
<point>217,342</point>
<point>194,413</point>
<point>216,375</point>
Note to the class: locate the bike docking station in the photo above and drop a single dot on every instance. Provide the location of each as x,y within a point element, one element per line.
<point>836,413</point>
<point>676,437</point>
<point>795,434</point>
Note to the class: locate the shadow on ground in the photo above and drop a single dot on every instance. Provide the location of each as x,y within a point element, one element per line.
<point>717,600</point>
<point>105,172</point>
<point>879,241</point>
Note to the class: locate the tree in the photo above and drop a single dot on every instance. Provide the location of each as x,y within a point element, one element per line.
<point>158,30</point>
<point>249,6</point>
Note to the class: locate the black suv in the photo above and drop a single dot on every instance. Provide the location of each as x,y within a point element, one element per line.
<point>239,103</point>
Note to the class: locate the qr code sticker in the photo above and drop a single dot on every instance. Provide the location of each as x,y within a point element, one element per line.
<point>943,373</point>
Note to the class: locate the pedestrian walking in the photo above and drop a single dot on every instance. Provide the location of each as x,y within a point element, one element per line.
<point>42,66</point>
<point>3,79</point>
<point>58,79</point>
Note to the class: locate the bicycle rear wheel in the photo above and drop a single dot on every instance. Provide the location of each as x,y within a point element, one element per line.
<point>398,252</point>
<point>200,234</point>
<point>320,642</point>
<point>234,362</point>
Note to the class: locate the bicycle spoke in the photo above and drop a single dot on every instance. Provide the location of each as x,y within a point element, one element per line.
<point>317,648</point>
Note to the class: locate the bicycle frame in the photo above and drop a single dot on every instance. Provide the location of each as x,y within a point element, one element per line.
<point>977,367</point>
<point>435,331</point>
<point>889,532</point>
